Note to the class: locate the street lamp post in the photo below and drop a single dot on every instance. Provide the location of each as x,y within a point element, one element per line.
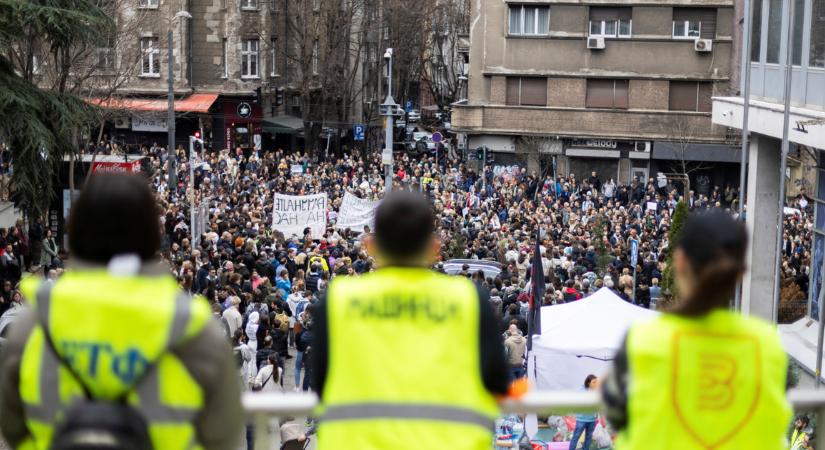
<point>388,111</point>
<point>170,95</point>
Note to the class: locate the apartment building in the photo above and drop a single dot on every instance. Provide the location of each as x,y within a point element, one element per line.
<point>620,87</point>
<point>806,142</point>
<point>248,73</point>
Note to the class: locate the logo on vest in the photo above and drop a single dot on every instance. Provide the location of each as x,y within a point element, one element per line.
<point>716,383</point>
<point>90,358</point>
<point>413,307</point>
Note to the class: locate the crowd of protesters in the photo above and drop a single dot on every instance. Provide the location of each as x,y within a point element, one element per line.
<point>262,284</point>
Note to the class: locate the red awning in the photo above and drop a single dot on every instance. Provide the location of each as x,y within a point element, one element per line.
<point>198,103</point>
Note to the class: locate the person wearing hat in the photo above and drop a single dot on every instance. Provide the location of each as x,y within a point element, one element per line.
<point>400,313</point>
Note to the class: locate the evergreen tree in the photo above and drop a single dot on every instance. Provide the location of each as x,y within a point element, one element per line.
<point>603,256</point>
<point>680,214</point>
<point>40,126</point>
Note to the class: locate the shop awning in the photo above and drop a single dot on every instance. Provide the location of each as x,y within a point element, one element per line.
<point>196,103</point>
<point>283,125</point>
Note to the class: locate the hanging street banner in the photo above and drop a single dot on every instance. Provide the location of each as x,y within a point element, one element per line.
<point>355,213</point>
<point>293,213</point>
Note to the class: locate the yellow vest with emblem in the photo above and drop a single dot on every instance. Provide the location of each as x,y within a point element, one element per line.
<point>713,382</point>
<point>404,366</point>
<point>112,329</point>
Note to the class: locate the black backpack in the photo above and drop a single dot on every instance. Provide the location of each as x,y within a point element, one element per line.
<point>95,424</point>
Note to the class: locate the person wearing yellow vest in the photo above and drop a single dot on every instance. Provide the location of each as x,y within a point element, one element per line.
<point>403,357</point>
<point>701,376</point>
<point>115,330</point>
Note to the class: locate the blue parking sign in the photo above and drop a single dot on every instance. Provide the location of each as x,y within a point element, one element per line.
<point>358,132</point>
<point>409,106</point>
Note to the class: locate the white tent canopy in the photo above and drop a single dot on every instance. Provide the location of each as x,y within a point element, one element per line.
<point>581,338</point>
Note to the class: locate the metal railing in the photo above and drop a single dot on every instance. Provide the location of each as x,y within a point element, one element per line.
<point>263,406</point>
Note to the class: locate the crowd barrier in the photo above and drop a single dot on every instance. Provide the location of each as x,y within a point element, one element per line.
<point>260,407</point>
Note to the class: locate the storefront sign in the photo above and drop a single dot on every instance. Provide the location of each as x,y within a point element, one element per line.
<point>116,167</point>
<point>228,138</point>
<point>595,143</point>
<point>150,125</point>
<point>244,110</point>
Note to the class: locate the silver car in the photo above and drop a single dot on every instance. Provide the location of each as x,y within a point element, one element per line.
<point>491,269</point>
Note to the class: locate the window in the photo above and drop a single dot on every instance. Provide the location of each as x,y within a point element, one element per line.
<point>694,23</point>
<point>225,59</point>
<point>524,91</point>
<point>610,22</point>
<point>607,94</point>
<point>147,3</point>
<point>817,55</point>
<point>273,56</point>
<point>774,30</point>
<point>756,30</point>
<point>315,58</point>
<point>798,25</point>
<point>529,20</point>
<point>249,58</point>
<point>105,58</point>
<point>690,96</point>
<point>151,57</point>
<point>249,5</point>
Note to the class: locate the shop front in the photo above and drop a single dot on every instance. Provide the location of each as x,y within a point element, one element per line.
<point>620,161</point>
<point>240,125</point>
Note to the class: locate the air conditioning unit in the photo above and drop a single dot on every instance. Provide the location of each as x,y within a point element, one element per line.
<point>595,43</point>
<point>643,146</point>
<point>703,45</point>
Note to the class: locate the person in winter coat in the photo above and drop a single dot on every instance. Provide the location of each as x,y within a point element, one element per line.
<point>268,378</point>
<point>515,345</point>
<point>252,330</point>
<point>48,252</point>
<point>570,293</point>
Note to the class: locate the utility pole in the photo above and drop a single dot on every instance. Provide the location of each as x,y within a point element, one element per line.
<point>170,118</point>
<point>388,108</point>
<point>170,96</point>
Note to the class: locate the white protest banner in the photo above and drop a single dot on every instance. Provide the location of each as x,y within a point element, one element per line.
<point>652,206</point>
<point>291,214</point>
<point>355,213</point>
<point>297,169</point>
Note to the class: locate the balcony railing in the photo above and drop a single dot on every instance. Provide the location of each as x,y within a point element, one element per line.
<point>261,407</point>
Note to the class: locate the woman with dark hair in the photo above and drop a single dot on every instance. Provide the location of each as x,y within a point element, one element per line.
<point>701,376</point>
<point>585,423</point>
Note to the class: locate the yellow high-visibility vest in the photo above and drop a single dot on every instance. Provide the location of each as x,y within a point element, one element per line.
<point>713,382</point>
<point>112,328</point>
<point>404,366</point>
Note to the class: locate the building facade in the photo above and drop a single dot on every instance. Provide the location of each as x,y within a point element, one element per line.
<point>768,58</point>
<point>620,87</point>
<point>247,73</point>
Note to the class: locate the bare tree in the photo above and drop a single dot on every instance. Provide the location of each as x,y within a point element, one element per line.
<point>444,65</point>
<point>684,130</point>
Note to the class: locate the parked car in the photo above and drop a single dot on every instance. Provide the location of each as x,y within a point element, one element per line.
<point>491,269</point>
<point>427,136</point>
<point>414,116</point>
